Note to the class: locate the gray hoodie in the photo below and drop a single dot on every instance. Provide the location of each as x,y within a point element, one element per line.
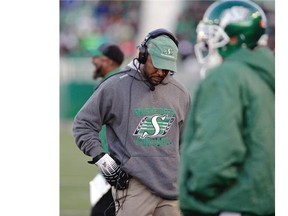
<point>143,127</point>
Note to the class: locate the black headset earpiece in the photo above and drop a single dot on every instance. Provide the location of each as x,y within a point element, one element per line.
<point>143,51</point>
<point>142,57</point>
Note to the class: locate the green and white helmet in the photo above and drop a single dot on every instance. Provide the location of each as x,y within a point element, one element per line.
<point>226,18</point>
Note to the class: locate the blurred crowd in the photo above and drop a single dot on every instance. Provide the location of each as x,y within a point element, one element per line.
<point>87,24</point>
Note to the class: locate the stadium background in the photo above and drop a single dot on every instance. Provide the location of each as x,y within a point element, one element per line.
<point>85,24</point>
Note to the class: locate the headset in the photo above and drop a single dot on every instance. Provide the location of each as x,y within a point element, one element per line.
<point>143,50</point>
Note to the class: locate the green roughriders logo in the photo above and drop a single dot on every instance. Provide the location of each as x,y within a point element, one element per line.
<point>154,126</point>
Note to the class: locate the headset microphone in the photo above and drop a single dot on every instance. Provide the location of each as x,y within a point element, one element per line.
<point>151,87</point>
<point>143,49</point>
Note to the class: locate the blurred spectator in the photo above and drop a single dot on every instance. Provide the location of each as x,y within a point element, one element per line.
<point>107,60</point>
<point>97,22</point>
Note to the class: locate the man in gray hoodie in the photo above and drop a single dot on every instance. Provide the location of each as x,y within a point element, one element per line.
<point>143,108</point>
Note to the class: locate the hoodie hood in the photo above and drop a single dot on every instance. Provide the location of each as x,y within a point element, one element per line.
<point>263,62</point>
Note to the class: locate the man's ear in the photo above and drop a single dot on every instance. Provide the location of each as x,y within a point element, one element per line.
<point>233,40</point>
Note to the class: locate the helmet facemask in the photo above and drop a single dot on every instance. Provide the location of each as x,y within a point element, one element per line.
<point>209,39</point>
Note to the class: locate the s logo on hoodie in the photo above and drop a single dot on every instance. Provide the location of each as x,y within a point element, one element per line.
<point>154,126</point>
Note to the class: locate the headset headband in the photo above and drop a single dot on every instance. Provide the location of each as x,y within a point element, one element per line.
<point>157,33</point>
<point>143,53</point>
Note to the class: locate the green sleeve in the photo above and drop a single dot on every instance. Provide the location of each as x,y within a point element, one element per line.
<point>213,149</point>
<point>102,136</point>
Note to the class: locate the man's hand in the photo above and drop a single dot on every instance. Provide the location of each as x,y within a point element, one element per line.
<point>112,172</point>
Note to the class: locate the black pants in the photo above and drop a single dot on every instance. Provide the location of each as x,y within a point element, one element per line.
<point>105,206</point>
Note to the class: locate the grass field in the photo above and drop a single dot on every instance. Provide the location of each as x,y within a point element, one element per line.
<point>75,174</point>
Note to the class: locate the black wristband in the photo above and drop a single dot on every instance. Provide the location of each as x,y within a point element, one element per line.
<point>95,159</point>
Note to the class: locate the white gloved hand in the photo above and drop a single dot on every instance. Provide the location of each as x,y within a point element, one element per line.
<point>107,165</point>
<point>113,174</point>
